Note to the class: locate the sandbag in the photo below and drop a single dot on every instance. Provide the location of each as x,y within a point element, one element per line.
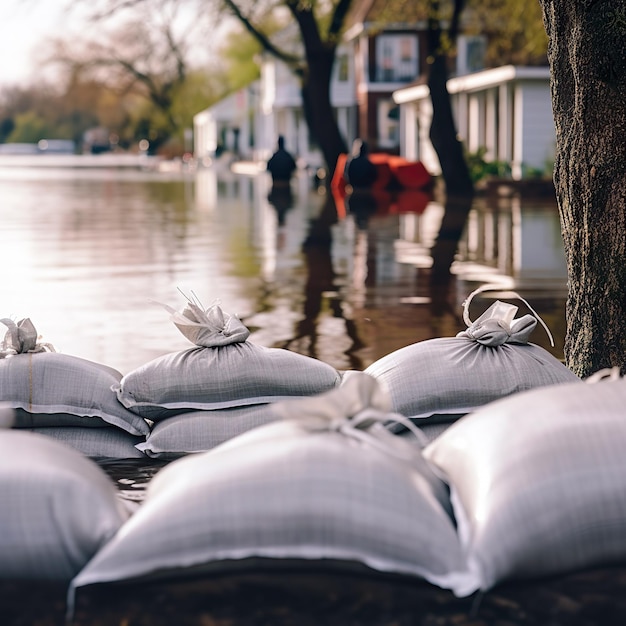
<point>537,481</point>
<point>52,389</point>
<point>96,443</point>
<point>224,370</point>
<point>7,416</point>
<point>317,485</point>
<point>442,379</point>
<point>58,508</point>
<point>200,431</point>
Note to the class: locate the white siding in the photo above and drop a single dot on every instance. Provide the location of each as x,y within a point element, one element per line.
<point>538,123</point>
<point>426,152</point>
<point>343,83</point>
<point>476,125</point>
<point>287,87</point>
<point>507,110</point>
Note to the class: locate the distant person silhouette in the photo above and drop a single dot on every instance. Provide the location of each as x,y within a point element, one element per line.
<point>360,172</point>
<point>281,164</point>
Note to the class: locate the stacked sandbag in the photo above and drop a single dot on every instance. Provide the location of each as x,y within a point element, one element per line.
<point>58,508</point>
<point>199,431</point>
<point>106,443</point>
<point>326,484</point>
<point>537,481</point>
<point>7,416</point>
<point>222,371</point>
<point>436,381</point>
<point>65,397</point>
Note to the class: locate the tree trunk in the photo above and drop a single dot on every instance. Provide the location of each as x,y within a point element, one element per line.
<point>318,110</point>
<point>454,170</point>
<point>588,69</point>
<point>443,134</point>
<point>316,78</point>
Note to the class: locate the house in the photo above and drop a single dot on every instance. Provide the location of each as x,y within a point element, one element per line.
<point>280,102</point>
<point>377,95</point>
<point>371,63</point>
<point>228,126</point>
<point>505,110</point>
<point>385,58</point>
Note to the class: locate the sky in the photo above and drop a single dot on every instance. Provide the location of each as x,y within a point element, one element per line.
<point>24,27</point>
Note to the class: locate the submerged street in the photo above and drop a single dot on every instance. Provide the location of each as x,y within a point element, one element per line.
<point>88,255</point>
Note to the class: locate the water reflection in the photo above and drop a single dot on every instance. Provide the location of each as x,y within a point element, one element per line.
<point>281,198</point>
<point>321,285</point>
<point>84,254</point>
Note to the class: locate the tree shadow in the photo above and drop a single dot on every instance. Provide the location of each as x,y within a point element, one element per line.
<point>443,252</point>
<point>321,283</point>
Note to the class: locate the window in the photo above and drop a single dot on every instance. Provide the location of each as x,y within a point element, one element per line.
<point>396,58</point>
<point>388,125</point>
<point>343,68</point>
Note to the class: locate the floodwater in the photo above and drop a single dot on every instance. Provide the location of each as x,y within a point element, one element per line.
<point>89,255</point>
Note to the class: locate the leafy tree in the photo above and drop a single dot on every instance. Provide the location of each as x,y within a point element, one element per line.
<point>588,68</point>
<point>7,125</point>
<point>144,59</point>
<point>514,30</point>
<point>29,128</point>
<point>31,113</point>
<point>239,53</point>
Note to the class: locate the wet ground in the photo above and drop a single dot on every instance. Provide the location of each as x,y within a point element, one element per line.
<point>330,597</point>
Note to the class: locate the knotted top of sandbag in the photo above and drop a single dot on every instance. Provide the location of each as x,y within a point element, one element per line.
<point>358,409</point>
<point>498,325</point>
<point>20,338</point>
<point>208,328</point>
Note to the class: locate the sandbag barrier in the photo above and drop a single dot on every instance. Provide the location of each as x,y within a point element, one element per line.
<point>523,480</point>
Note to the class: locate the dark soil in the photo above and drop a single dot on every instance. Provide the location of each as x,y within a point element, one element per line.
<point>301,598</point>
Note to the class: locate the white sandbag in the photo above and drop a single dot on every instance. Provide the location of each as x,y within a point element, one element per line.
<point>58,508</point>
<point>200,431</point>
<point>537,481</point>
<point>7,416</point>
<point>315,486</point>
<point>442,379</point>
<point>223,371</point>
<point>53,389</point>
<point>96,443</point>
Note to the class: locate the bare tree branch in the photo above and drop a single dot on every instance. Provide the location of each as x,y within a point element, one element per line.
<point>338,18</point>
<point>264,41</point>
<point>177,52</point>
<point>308,26</point>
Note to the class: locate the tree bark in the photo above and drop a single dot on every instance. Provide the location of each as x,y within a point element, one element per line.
<point>316,78</point>
<point>454,170</point>
<point>587,60</point>
<point>319,112</point>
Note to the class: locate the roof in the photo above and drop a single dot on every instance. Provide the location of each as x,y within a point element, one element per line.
<point>476,81</point>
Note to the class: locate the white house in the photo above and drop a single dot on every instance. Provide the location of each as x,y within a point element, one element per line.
<point>281,111</point>
<point>229,125</point>
<point>370,64</point>
<point>506,110</point>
